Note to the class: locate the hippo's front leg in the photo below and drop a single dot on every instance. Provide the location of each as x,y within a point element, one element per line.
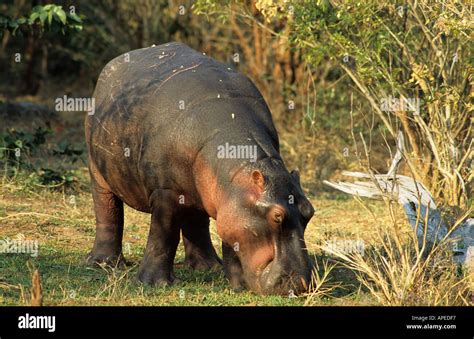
<point>233,268</point>
<point>163,239</point>
<point>200,254</point>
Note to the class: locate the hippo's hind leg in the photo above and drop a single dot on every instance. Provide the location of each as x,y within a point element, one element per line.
<point>163,239</point>
<point>200,254</point>
<point>109,227</point>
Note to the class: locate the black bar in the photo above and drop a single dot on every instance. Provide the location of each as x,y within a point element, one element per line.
<point>242,321</point>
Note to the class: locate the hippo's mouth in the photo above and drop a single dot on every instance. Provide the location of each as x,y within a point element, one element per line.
<point>273,280</point>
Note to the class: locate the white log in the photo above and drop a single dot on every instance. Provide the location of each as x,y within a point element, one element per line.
<point>413,196</point>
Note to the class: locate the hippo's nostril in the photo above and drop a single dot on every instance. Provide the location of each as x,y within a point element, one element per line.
<point>266,274</point>
<point>268,267</point>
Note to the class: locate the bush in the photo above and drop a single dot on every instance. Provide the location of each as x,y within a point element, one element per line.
<point>18,150</point>
<point>18,146</point>
<point>418,51</point>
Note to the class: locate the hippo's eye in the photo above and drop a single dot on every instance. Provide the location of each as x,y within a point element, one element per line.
<point>278,217</point>
<point>275,216</point>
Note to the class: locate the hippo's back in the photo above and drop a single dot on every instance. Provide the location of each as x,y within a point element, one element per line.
<point>156,107</point>
<point>172,76</point>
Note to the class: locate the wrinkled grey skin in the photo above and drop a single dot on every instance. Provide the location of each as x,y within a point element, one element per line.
<point>161,113</point>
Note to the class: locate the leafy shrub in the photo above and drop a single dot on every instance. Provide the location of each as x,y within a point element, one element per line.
<point>18,150</point>
<point>18,146</point>
<point>54,178</point>
<point>51,17</point>
<point>65,149</point>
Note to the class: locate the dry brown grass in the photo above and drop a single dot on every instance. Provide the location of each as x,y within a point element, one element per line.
<point>397,270</point>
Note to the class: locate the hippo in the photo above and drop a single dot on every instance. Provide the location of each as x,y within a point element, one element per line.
<point>181,136</point>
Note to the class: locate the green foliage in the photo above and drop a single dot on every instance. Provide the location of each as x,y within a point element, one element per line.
<point>52,178</point>
<point>18,146</point>
<point>404,50</point>
<point>65,149</point>
<point>17,153</point>
<point>54,15</point>
<point>220,9</point>
<point>48,17</point>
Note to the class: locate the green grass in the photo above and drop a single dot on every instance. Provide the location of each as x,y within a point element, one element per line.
<point>65,281</point>
<point>65,234</point>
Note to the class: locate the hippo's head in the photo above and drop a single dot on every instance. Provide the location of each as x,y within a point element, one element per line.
<point>262,223</point>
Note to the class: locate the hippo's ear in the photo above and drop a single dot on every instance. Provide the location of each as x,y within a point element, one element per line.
<point>306,209</point>
<point>258,179</point>
<point>296,174</point>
